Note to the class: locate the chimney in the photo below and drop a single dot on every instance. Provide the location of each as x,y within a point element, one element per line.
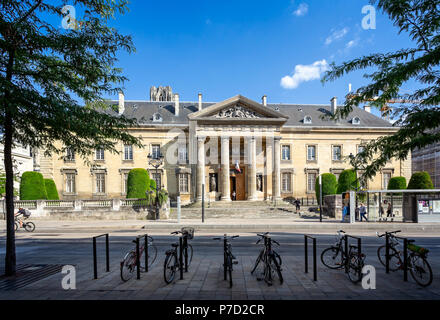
<point>334,105</point>
<point>264,100</point>
<point>367,108</point>
<point>200,101</point>
<point>121,107</point>
<point>176,104</point>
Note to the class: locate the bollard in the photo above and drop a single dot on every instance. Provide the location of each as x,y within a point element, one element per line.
<point>185,247</point>
<point>387,253</point>
<point>405,259</point>
<point>95,263</point>
<point>138,262</point>
<point>345,255</point>
<point>178,209</point>
<point>224,257</point>
<point>181,258</point>
<point>306,257</point>
<point>107,253</point>
<point>315,269</point>
<point>146,252</point>
<point>360,254</point>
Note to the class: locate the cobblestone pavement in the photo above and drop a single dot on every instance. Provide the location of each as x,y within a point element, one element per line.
<point>205,277</point>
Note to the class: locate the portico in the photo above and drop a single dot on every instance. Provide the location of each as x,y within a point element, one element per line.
<point>248,164</point>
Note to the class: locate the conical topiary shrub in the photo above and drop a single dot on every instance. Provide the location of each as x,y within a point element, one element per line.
<point>138,183</point>
<point>420,180</point>
<point>51,189</point>
<point>347,181</point>
<point>329,185</point>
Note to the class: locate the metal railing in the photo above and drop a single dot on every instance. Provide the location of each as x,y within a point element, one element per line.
<point>359,250</point>
<point>306,256</point>
<point>107,255</point>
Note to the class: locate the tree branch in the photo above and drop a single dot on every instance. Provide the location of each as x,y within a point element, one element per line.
<point>31,10</point>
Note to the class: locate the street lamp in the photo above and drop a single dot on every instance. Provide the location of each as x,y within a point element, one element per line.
<point>156,160</point>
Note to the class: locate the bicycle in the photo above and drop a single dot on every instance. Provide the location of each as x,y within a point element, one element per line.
<point>356,263</point>
<point>334,257</point>
<point>270,258</point>
<point>228,257</point>
<point>128,264</point>
<point>171,264</point>
<point>28,226</point>
<point>417,262</point>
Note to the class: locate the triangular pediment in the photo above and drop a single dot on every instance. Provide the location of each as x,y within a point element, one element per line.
<point>238,108</point>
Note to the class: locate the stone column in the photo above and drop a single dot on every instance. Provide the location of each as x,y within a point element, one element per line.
<point>252,195</point>
<point>200,166</point>
<point>224,177</point>
<point>276,193</point>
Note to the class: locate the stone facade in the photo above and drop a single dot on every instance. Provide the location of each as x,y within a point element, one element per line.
<point>236,148</point>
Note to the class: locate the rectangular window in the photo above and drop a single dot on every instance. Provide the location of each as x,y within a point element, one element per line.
<point>337,153</point>
<point>70,154</point>
<point>360,149</point>
<point>386,179</point>
<point>286,182</point>
<point>311,179</point>
<point>128,152</point>
<point>311,153</point>
<point>157,177</point>
<point>183,154</point>
<point>155,151</point>
<point>70,182</point>
<point>100,182</point>
<point>183,183</point>
<point>285,153</point>
<point>99,154</point>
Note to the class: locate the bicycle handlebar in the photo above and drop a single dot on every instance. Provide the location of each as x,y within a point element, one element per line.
<point>391,232</point>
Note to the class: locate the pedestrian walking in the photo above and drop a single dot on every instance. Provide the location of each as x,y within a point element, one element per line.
<point>297,205</point>
<point>363,212</point>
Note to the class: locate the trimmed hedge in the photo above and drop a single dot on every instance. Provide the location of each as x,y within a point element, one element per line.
<point>32,186</point>
<point>138,182</point>
<point>397,183</point>
<point>51,189</point>
<point>329,185</point>
<point>420,180</point>
<point>347,181</point>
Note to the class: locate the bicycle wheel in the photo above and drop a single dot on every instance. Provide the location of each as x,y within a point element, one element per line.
<point>170,267</point>
<point>278,257</point>
<point>332,258</point>
<point>229,270</point>
<point>29,226</point>
<point>395,262</point>
<point>420,270</point>
<point>15,226</point>
<point>189,250</point>
<point>354,269</point>
<point>257,262</point>
<point>275,268</point>
<point>128,265</point>
<point>152,254</point>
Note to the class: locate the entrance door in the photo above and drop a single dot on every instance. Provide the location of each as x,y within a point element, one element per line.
<point>238,184</point>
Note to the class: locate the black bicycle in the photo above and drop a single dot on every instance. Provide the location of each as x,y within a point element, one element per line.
<point>270,258</point>
<point>417,259</point>
<point>334,257</point>
<point>172,263</point>
<point>228,257</point>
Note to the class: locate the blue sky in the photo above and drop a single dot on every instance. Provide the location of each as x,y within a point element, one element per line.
<point>224,48</point>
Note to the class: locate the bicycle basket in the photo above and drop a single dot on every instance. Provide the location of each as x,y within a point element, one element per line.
<point>417,249</point>
<point>189,232</point>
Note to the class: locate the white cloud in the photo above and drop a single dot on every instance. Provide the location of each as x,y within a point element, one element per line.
<point>352,44</point>
<point>304,73</point>
<point>302,10</point>
<point>336,35</point>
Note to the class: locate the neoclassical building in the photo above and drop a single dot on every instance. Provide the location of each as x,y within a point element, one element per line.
<point>236,149</point>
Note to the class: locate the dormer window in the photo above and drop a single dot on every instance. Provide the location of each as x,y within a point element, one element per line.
<point>356,120</point>
<point>157,117</point>
<point>307,119</point>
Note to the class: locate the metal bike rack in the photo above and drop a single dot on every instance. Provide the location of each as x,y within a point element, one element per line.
<point>306,256</point>
<point>181,257</point>
<point>95,258</point>
<point>138,261</point>
<point>406,241</point>
<point>225,243</point>
<point>359,244</point>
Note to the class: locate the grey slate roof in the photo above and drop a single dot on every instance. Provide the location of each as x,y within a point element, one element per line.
<point>143,111</point>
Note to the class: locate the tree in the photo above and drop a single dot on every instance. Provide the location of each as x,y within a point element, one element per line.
<point>32,186</point>
<point>420,180</point>
<point>138,183</point>
<point>51,189</point>
<point>53,81</point>
<point>418,115</point>
<point>329,185</point>
<point>397,183</point>
<point>347,181</point>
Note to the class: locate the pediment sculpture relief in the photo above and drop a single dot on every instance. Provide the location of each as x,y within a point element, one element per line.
<point>237,112</point>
